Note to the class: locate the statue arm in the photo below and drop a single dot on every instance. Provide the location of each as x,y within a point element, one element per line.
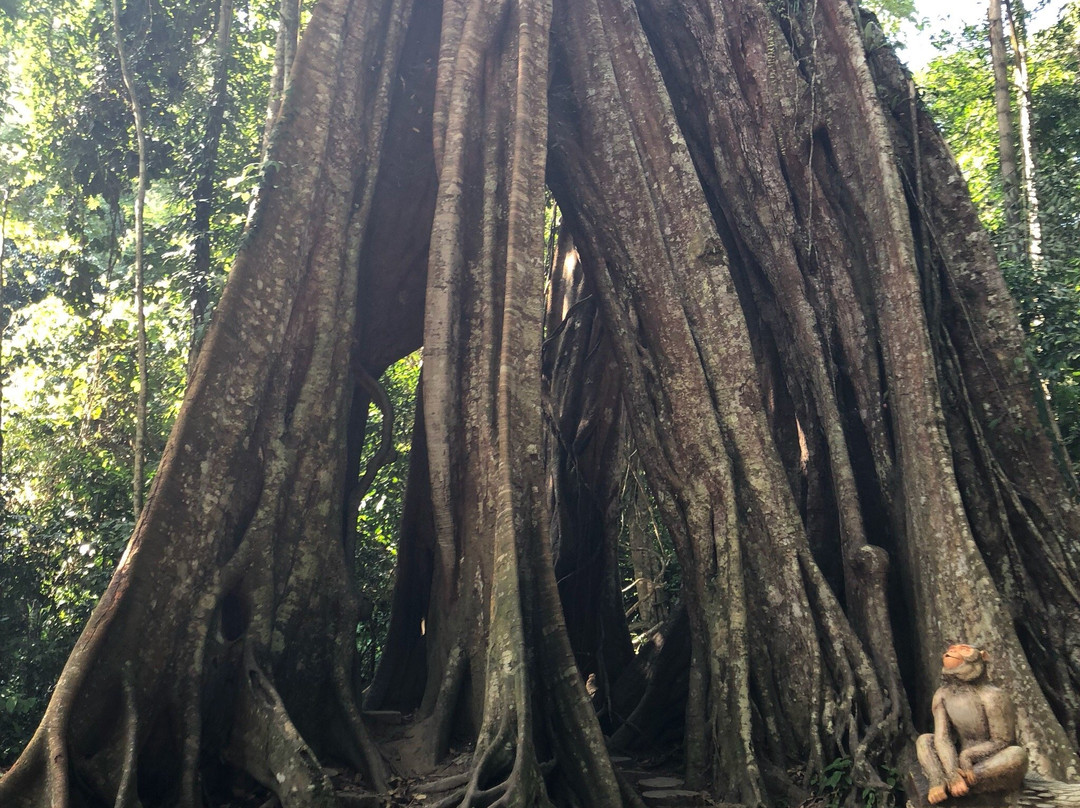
<point>1001,724</point>
<point>943,742</point>
<point>980,751</point>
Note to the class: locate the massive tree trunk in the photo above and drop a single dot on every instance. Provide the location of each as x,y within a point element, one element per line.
<point>1019,495</point>
<point>226,632</point>
<point>771,295</point>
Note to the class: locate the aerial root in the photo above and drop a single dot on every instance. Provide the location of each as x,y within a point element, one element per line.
<point>465,797</point>
<point>468,791</point>
<point>19,780</point>
<point>266,744</point>
<point>451,800</point>
<point>856,682</point>
<point>371,761</point>
<point>126,795</point>
<point>871,565</point>
<point>474,794</point>
<point>454,781</point>
<point>630,797</point>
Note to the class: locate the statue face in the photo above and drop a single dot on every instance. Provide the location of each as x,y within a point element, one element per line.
<point>964,663</point>
<point>957,655</point>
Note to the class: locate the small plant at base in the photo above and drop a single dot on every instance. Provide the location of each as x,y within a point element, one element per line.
<point>833,783</point>
<point>835,787</point>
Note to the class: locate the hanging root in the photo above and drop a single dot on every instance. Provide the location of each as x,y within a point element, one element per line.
<point>267,745</point>
<point>126,796</point>
<point>864,722</point>
<point>871,566</point>
<point>370,760</point>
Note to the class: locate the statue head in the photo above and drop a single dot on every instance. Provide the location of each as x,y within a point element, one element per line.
<point>964,663</point>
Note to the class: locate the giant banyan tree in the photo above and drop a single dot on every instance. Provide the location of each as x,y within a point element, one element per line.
<point>770,302</point>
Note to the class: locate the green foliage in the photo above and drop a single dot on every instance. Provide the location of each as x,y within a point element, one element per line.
<point>54,562</point>
<point>958,89</point>
<point>70,390</point>
<point>1052,305</point>
<point>381,509</point>
<point>67,164</point>
<point>836,787</point>
<point>891,13</point>
<point>833,783</point>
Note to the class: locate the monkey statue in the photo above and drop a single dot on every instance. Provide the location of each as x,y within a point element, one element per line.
<point>973,747</point>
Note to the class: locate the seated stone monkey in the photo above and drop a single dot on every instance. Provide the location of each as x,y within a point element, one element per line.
<point>973,747</point>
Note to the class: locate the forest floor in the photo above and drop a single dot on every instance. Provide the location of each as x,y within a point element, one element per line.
<point>657,788</point>
<point>658,784</point>
<point>656,780</point>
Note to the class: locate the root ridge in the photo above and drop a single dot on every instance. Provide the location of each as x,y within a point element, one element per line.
<point>266,744</point>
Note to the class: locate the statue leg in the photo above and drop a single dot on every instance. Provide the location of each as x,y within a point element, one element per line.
<point>1001,772</point>
<point>932,768</point>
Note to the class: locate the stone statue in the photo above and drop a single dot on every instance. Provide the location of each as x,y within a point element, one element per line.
<point>973,747</point>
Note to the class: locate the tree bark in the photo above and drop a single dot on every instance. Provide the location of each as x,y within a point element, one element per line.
<point>226,626</point>
<point>781,305</point>
<point>588,459</point>
<point>718,478</point>
<point>484,308</point>
<point>1015,481</point>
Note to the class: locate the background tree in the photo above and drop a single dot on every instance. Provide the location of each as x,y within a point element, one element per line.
<point>138,444</point>
<point>1010,171</point>
<point>1018,41</point>
<point>957,90</point>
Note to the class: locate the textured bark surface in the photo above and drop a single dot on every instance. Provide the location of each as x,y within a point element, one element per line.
<point>772,332</point>
<point>228,623</point>
<point>494,592</point>
<point>588,455</point>
<point>1016,484</point>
